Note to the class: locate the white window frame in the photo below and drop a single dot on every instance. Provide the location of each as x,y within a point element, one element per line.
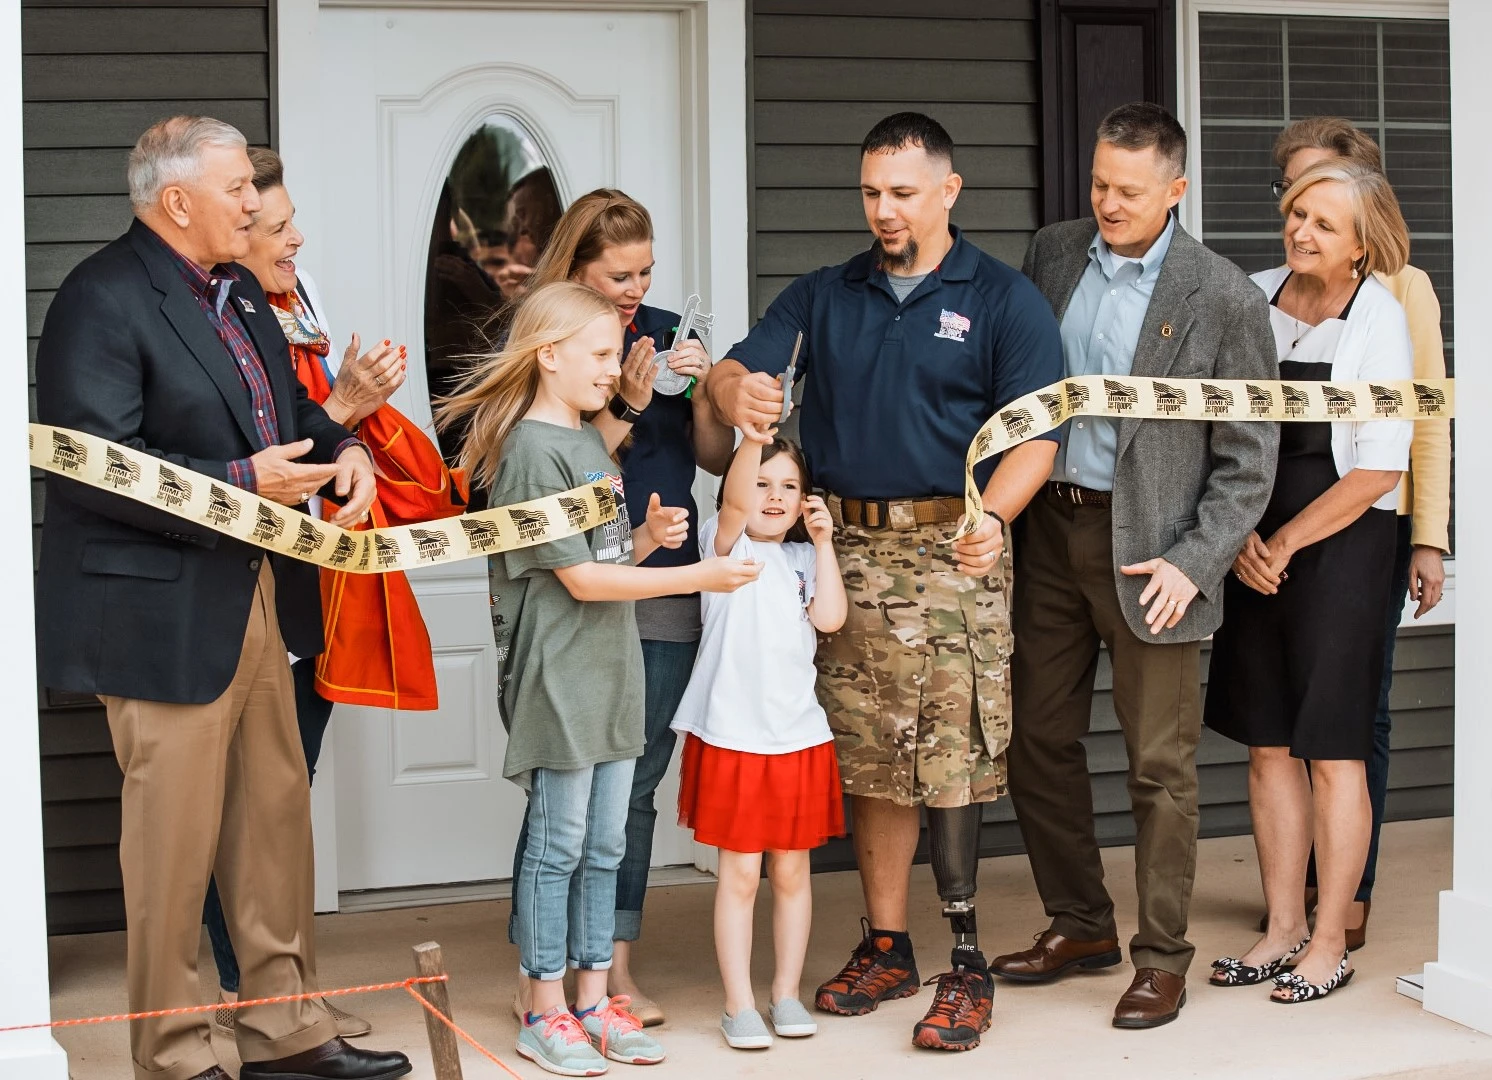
<point>1189,110</point>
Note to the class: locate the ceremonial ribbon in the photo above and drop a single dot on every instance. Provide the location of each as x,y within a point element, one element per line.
<point>216,505</point>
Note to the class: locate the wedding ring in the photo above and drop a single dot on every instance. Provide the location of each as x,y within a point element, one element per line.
<point>378,379</point>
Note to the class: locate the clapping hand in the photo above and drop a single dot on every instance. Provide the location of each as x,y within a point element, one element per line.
<point>1171,590</point>
<point>636,383</point>
<point>364,383</point>
<point>668,525</point>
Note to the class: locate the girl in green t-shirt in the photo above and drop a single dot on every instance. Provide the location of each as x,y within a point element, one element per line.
<point>573,685</point>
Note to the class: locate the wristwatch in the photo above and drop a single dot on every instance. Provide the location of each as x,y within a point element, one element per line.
<point>619,408</point>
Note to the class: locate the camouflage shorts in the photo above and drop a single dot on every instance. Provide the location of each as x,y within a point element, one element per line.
<point>917,683</point>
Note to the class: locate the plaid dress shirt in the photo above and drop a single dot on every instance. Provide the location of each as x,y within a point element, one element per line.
<point>213,291</point>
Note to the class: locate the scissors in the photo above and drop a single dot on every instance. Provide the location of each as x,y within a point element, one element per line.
<point>786,380</point>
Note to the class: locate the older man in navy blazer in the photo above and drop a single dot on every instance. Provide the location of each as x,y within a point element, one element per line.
<point>161,343</point>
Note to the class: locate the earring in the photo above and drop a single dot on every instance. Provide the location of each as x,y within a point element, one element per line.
<point>1354,273</point>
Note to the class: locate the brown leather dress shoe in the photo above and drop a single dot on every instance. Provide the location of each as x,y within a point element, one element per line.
<point>1054,955</point>
<point>1154,998</point>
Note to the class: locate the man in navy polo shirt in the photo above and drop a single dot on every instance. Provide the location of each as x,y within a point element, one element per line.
<point>907,349</point>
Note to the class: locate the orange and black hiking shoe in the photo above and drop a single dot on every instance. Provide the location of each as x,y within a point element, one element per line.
<point>873,975</point>
<point>960,1010</point>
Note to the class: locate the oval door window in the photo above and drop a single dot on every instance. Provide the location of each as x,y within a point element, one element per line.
<point>497,209</point>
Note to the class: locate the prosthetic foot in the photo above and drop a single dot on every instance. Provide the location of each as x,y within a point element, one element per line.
<point>962,1003</point>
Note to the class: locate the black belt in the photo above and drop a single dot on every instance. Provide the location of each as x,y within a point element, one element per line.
<point>1081,496</point>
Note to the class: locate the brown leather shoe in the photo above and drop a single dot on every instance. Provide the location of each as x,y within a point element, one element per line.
<point>1358,937</point>
<point>1054,955</point>
<point>1154,998</point>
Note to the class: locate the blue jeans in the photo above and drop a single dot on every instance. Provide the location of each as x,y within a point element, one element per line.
<point>668,665</point>
<point>1382,721</point>
<point>564,898</point>
<point>312,712</point>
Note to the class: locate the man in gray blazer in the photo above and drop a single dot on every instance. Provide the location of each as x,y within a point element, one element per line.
<point>1128,545</point>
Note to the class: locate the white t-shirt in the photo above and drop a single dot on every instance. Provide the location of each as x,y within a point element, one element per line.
<point>752,689</point>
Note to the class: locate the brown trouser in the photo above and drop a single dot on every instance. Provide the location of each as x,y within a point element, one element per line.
<point>1065,603</point>
<point>219,789</point>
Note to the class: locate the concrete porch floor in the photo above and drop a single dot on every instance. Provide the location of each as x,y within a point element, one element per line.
<point>1052,1032</point>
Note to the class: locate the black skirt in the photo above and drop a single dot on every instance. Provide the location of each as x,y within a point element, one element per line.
<point>1302,668</point>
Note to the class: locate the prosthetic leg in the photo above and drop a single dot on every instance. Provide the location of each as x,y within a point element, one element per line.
<point>962,1003</point>
<point>953,834</point>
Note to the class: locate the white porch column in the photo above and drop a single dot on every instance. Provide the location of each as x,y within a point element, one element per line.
<point>26,1055</point>
<point>1459,984</point>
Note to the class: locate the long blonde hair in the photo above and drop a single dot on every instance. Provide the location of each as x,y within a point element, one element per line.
<point>499,388</point>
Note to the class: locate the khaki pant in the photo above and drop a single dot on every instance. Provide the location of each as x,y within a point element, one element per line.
<point>1065,603</point>
<point>219,788</point>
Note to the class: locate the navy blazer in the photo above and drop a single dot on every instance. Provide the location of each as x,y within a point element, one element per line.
<point>131,601</point>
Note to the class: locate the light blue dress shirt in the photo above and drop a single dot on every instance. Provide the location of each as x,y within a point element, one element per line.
<point>1099,333</point>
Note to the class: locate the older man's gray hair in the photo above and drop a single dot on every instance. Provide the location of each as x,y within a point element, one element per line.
<point>170,152</point>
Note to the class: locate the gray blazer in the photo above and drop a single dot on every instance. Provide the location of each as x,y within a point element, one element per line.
<point>1188,491</point>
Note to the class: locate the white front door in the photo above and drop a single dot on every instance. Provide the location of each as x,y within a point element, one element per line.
<point>420,797</point>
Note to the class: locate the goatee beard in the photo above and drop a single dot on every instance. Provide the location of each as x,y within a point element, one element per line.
<point>898,263</point>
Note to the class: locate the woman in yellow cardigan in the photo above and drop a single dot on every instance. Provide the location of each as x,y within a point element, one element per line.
<point>1424,495</point>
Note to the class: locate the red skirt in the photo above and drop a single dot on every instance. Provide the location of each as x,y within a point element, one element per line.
<point>760,802</point>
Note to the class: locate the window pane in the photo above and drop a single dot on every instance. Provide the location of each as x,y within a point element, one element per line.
<point>1334,68</point>
<point>1252,65</point>
<point>1252,255</point>
<point>1419,165</point>
<point>1237,170</point>
<point>1416,71</point>
<point>1241,73</point>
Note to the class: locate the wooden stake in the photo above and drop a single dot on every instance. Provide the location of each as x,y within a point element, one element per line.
<point>445,1051</point>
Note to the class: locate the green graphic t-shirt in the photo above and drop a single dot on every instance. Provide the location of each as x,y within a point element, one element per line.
<point>571,671</point>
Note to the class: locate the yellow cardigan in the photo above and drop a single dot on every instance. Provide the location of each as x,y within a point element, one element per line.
<point>1425,493</point>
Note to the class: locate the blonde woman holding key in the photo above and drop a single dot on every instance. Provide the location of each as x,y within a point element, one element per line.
<point>605,240</point>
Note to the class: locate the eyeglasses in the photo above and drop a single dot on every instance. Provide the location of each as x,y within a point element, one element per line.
<point>1278,188</point>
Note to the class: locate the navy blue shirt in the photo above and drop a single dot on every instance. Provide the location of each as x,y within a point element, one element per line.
<point>895,392</point>
<point>660,456</point>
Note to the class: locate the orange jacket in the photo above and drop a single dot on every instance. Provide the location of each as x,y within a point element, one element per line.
<point>377,648</point>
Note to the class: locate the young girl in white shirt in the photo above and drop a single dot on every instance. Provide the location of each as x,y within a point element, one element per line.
<point>759,770</point>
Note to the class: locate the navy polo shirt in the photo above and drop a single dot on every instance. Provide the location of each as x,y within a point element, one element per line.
<point>660,456</point>
<point>895,392</point>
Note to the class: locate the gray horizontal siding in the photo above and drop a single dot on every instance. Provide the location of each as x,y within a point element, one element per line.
<point>94,74</point>
<point>824,72</point>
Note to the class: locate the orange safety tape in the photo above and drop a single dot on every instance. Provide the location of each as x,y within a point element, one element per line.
<point>402,984</point>
<point>448,1022</point>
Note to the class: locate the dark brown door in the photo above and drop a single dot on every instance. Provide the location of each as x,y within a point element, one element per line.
<point>1095,55</point>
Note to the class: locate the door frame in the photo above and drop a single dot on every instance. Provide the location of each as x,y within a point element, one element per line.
<point>712,66</point>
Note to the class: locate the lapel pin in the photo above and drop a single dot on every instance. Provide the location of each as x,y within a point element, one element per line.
<point>1166,329</point>
<point>250,309</point>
